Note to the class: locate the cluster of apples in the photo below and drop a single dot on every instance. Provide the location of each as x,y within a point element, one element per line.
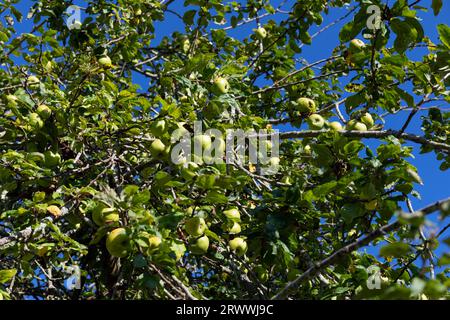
<point>315,121</point>
<point>196,227</point>
<point>118,241</point>
<point>238,245</point>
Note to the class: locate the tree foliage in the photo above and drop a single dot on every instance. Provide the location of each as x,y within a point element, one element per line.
<point>78,163</point>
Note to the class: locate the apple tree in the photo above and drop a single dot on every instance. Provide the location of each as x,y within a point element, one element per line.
<point>93,206</point>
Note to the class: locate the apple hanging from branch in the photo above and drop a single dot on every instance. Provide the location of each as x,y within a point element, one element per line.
<point>118,243</point>
<point>195,226</point>
<point>238,245</point>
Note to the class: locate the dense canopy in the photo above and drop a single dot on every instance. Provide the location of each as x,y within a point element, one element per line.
<point>90,98</point>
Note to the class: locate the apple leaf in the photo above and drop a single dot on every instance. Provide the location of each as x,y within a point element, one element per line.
<point>7,274</point>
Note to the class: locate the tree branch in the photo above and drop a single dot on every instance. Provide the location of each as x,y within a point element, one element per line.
<point>312,271</point>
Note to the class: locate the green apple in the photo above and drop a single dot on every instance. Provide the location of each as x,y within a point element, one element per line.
<point>232,214</point>
<point>118,243</point>
<point>35,121</point>
<point>336,126</point>
<point>195,226</point>
<point>33,82</point>
<point>186,45</point>
<point>367,120</point>
<point>44,111</point>
<point>357,45</point>
<point>75,25</point>
<point>203,140</point>
<point>158,128</point>
<point>54,210</point>
<point>360,127</point>
<point>262,274</point>
<point>105,62</point>
<point>306,105</point>
<point>260,33</point>
<point>52,159</point>
<point>12,99</point>
<point>316,122</point>
<point>134,132</point>
<point>138,12</point>
<point>221,85</point>
<point>219,146</point>
<point>154,242</point>
<point>200,246</point>
<point>307,149</point>
<point>274,161</point>
<point>238,245</point>
<point>104,215</point>
<point>235,229</point>
<point>157,148</point>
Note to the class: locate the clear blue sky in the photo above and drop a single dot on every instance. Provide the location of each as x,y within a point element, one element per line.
<point>436,182</point>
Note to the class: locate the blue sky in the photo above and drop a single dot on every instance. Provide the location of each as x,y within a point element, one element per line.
<point>436,182</point>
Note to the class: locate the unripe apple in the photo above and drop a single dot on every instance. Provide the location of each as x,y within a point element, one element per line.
<point>269,144</point>
<point>105,62</point>
<point>221,85</point>
<point>186,45</point>
<point>200,246</point>
<point>33,82</point>
<point>203,140</point>
<point>232,214</point>
<point>154,242</point>
<point>54,211</point>
<point>235,229</point>
<point>52,159</point>
<point>138,12</point>
<point>35,121</point>
<point>274,161</point>
<point>118,243</point>
<point>360,127</point>
<point>307,149</point>
<point>262,273</point>
<point>195,226</point>
<point>219,147</point>
<point>44,111</point>
<point>158,128</point>
<point>260,33</point>
<point>306,105</point>
<point>157,148</point>
<point>356,45</point>
<point>336,126</point>
<point>104,215</point>
<point>12,99</point>
<point>316,122</point>
<point>367,120</point>
<point>238,245</point>
<point>134,132</point>
<point>75,25</point>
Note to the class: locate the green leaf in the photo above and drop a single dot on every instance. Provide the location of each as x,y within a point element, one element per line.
<point>188,17</point>
<point>396,250</point>
<point>437,6</point>
<point>444,34</point>
<point>7,274</point>
<point>351,211</point>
